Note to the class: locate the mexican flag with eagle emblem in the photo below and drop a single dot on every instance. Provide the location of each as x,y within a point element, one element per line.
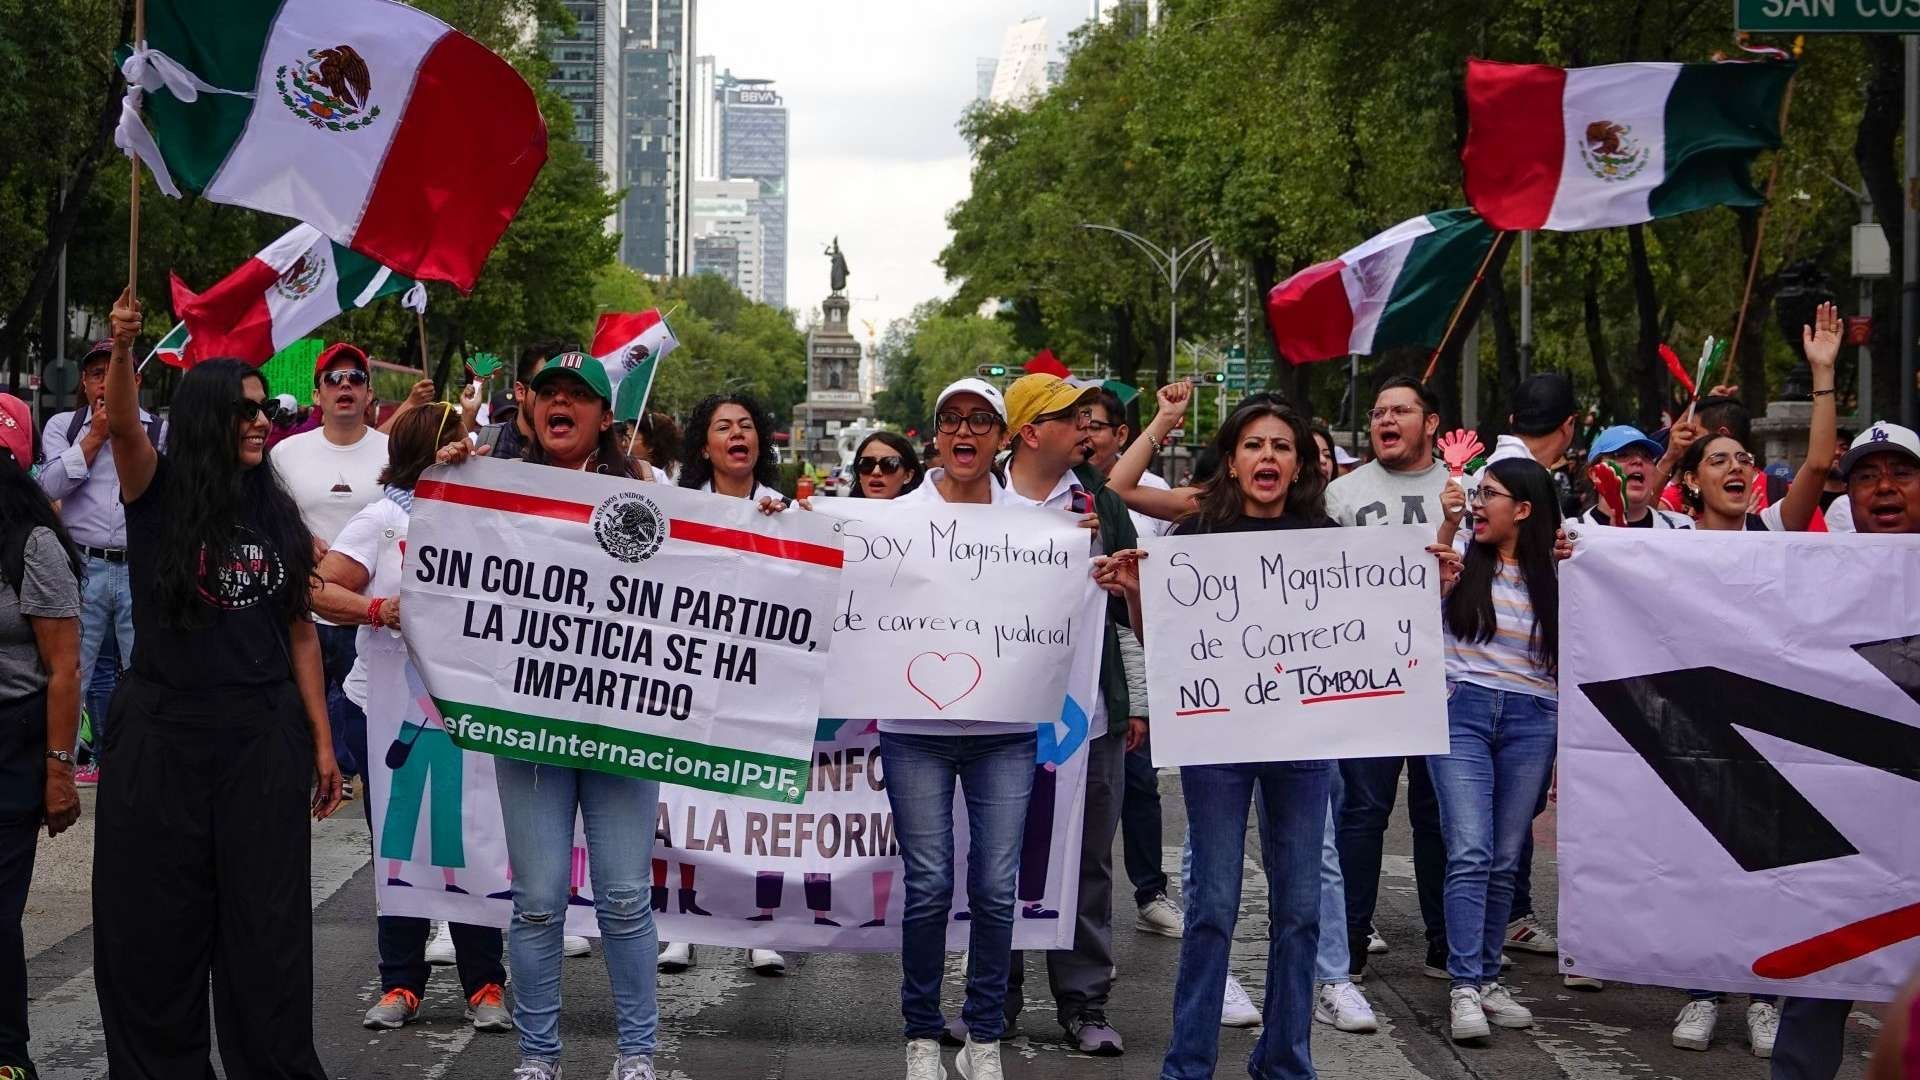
<point>287,291</point>
<point>631,345</point>
<point>1568,149</point>
<point>381,126</point>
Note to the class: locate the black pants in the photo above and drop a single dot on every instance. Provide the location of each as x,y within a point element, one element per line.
<point>1371,786</point>
<point>200,864</point>
<point>23,750</point>
<point>1811,1040</point>
<point>1140,832</point>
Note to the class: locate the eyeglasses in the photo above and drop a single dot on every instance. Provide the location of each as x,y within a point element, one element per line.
<point>1871,476</point>
<point>246,409</point>
<point>885,466</point>
<point>344,377</point>
<point>1723,458</point>
<point>1398,412</point>
<point>1081,417</point>
<point>1098,426</point>
<point>978,422</point>
<point>1479,495</point>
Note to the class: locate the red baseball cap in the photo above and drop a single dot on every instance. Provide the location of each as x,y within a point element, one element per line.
<point>335,353</point>
<point>103,347</point>
<point>16,430</point>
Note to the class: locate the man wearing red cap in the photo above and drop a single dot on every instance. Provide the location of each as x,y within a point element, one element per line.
<point>333,471</point>
<point>79,475</point>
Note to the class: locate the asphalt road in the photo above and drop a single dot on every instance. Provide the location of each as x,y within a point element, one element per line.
<point>836,1017</point>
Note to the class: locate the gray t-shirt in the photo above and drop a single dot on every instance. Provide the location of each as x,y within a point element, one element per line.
<point>1373,495</point>
<point>48,590</point>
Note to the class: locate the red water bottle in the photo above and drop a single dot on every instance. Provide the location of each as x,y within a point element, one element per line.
<point>803,487</point>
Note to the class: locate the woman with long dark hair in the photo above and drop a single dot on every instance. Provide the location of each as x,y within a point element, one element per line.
<point>729,448</point>
<point>885,467</point>
<point>656,441</point>
<point>40,572</point>
<point>201,853</point>
<point>1502,628</point>
<point>571,427</point>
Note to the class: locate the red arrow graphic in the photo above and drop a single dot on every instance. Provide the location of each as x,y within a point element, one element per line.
<point>1837,946</point>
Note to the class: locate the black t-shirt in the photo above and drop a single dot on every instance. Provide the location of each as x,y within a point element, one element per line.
<point>1194,526</point>
<point>243,641</point>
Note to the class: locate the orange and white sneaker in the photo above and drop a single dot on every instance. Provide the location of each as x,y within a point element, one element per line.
<point>396,1008</point>
<point>487,1009</point>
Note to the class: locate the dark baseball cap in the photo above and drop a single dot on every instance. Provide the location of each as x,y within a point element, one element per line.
<point>501,405</point>
<point>1542,402</point>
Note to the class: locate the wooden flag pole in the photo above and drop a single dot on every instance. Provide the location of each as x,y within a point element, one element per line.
<point>425,369</point>
<point>133,195</point>
<point>1459,309</point>
<point>1760,227</point>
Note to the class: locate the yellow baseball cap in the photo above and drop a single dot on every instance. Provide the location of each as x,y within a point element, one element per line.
<point>1033,396</point>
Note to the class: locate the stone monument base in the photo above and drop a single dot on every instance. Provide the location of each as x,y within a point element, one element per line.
<point>1781,435</point>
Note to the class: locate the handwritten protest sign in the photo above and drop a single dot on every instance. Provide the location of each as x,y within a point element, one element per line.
<point>958,612</point>
<point>1291,645</point>
<point>638,629</point>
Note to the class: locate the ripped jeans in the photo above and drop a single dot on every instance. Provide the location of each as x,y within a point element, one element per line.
<point>538,804</point>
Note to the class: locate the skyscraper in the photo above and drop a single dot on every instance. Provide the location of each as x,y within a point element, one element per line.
<point>658,169</point>
<point>586,71</point>
<point>728,236</point>
<point>704,105</point>
<point>753,146</point>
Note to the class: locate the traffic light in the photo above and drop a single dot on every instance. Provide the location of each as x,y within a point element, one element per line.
<point>992,371</point>
<point>1210,378</point>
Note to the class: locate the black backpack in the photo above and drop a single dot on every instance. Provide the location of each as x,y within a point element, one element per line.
<point>155,427</point>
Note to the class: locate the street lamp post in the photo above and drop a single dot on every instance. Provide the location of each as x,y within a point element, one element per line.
<point>1171,264</point>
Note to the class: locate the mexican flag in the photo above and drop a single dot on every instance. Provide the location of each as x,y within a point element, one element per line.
<point>631,346</point>
<point>374,122</point>
<point>279,296</point>
<point>1396,289</point>
<point>171,350</point>
<point>1589,148</point>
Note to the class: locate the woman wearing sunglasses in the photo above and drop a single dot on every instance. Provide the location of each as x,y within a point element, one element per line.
<point>885,467</point>
<point>201,854</point>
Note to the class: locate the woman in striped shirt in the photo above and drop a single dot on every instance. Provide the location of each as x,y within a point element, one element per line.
<point>1501,619</point>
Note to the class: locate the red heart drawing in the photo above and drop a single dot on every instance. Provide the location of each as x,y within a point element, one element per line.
<point>941,674</point>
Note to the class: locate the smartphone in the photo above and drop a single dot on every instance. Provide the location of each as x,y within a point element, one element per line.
<point>1082,501</point>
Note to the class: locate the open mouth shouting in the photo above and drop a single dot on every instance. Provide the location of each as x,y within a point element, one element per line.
<point>1889,511</point>
<point>1266,480</point>
<point>1735,487</point>
<point>561,424</point>
<point>965,454</point>
<point>738,452</point>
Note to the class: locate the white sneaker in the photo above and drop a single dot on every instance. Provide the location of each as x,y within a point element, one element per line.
<point>923,1060</point>
<point>1527,935</point>
<point>1763,1022</point>
<point>440,947</point>
<point>1342,1005</point>
<point>675,956</point>
<point>1237,1009</point>
<point>1693,1029</point>
<point>575,946</point>
<point>1466,1020</point>
<point>1161,916</point>
<point>1497,1002</point>
<point>766,961</point>
<point>979,1061</point>
<point>1375,943</point>
<point>1581,982</point>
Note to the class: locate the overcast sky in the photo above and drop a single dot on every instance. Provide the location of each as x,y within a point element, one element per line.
<point>873,90</point>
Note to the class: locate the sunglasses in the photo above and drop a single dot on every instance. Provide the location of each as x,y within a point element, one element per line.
<point>345,377</point>
<point>885,466</point>
<point>978,422</point>
<point>246,409</point>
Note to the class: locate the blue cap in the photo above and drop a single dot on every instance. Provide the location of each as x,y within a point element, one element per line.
<point>1780,471</point>
<point>1621,436</point>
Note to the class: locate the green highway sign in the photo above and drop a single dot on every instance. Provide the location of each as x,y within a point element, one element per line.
<point>1827,16</point>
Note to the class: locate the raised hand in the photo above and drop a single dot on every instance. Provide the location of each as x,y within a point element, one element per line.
<point>1821,341</point>
<point>1174,397</point>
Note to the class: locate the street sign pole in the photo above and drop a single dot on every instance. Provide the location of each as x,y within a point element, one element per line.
<point>1910,235</point>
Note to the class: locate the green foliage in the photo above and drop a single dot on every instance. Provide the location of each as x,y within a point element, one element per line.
<point>921,354</point>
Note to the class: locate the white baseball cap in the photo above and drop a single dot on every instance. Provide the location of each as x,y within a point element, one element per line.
<point>972,385</point>
<point>1881,438</point>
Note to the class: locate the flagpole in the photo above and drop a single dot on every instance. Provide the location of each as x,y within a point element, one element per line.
<point>425,368</point>
<point>133,195</point>
<point>1760,227</point>
<point>1460,308</point>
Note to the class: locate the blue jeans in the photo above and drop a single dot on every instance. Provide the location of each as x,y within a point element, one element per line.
<point>538,805</point>
<point>995,774</point>
<point>1502,751</point>
<point>339,646</point>
<point>106,607</point>
<point>1292,807</point>
<point>1330,959</point>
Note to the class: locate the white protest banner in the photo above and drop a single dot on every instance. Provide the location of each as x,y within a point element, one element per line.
<point>1739,754</point>
<point>824,876</point>
<point>958,612</point>
<point>643,630</point>
<point>1295,644</point>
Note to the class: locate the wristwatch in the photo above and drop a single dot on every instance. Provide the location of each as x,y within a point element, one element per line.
<point>61,756</point>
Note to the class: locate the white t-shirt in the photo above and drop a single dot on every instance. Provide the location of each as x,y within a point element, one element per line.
<point>1840,515</point>
<point>330,483</point>
<point>760,491</point>
<point>1150,526</point>
<point>1374,495</point>
<point>1656,519</point>
<point>374,538</point>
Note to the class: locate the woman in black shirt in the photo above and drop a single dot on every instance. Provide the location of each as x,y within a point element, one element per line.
<point>201,858</point>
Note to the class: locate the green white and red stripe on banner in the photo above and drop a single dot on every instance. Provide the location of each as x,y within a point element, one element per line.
<point>569,618</point>
<point>388,130</point>
<point>1590,148</point>
<point>631,346</point>
<point>291,288</point>
<point>1396,289</point>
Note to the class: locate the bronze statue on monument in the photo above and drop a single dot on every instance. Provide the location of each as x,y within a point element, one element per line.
<point>838,275</point>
